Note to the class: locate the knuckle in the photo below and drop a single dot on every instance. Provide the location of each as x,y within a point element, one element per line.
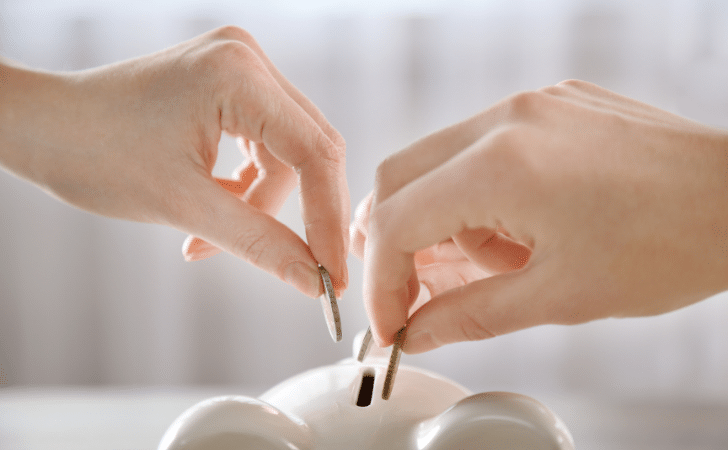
<point>527,104</point>
<point>557,89</point>
<point>232,32</point>
<point>221,63</point>
<point>361,214</point>
<point>509,165</point>
<point>320,153</point>
<point>250,246</point>
<point>376,221</point>
<point>329,150</point>
<point>472,329</point>
<point>338,140</point>
<point>573,83</point>
<point>229,52</point>
<point>508,149</point>
<point>277,174</point>
<point>460,278</point>
<point>386,176</point>
<point>381,225</point>
<point>237,72</point>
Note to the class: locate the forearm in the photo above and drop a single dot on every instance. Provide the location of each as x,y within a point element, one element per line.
<point>35,111</point>
<point>721,227</point>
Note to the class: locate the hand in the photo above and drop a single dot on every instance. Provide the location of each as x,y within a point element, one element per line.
<point>583,204</point>
<point>138,140</point>
<point>444,266</point>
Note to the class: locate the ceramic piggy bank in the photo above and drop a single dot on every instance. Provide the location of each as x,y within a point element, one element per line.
<point>339,407</point>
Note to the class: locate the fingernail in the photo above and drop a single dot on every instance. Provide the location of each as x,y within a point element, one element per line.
<point>340,284</point>
<point>345,276</point>
<point>378,340</point>
<point>304,278</point>
<point>419,341</point>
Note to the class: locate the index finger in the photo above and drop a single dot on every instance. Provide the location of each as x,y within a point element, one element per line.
<point>261,109</point>
<point>390,275</point>
<point>429,210</point>
<point>241,35</point>
<point>318,194</point>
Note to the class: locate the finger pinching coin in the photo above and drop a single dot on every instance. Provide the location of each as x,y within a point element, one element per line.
<point>333,322</point>
<point>330,306</point>
<point>399,339</point>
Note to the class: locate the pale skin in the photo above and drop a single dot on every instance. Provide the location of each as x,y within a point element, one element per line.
<point>562,205</point>
<point>557,206</point>
<point>138,140</point>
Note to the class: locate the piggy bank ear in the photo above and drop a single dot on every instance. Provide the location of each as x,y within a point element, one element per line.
<point>496,421</point>
<point>235,423</point>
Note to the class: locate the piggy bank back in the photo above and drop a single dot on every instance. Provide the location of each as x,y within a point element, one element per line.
<point>340,407</point>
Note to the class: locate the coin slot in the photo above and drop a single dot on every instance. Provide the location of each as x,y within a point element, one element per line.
<point>366,390</point>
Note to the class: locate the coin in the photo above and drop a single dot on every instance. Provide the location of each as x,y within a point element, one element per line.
<point>393,363</point>
<point>330,306</point>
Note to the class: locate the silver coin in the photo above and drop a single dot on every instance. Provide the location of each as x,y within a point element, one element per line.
<point>330,306</point>
<point>365,345</point>
<point>393,363</point>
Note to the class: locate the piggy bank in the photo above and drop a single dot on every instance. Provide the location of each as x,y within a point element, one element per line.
<point>340,407</point>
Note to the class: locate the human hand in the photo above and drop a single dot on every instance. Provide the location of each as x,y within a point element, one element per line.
<point>138,140</point>
<point>443,265</point>
<point>584,204</point>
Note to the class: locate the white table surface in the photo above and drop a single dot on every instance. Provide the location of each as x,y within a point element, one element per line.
<point>134,418</point>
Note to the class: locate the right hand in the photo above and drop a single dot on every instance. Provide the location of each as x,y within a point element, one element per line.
<point>137,140</point>
<point>584,204</point>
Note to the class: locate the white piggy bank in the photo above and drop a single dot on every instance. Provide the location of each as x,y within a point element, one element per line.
<point>339,407</point>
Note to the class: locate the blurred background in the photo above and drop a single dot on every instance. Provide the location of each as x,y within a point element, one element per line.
<point>86,300</point>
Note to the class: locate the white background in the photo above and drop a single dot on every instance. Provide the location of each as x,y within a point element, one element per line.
<point>89,300</point>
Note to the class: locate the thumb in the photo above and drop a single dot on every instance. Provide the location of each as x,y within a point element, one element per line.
<point>194,248</point>
<point>221,219</point>
<point>479,310</point>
